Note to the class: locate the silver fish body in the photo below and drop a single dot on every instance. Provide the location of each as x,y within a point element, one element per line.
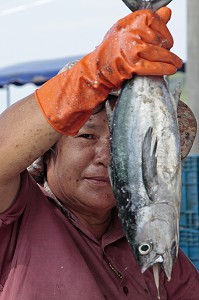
<point>145,170</point>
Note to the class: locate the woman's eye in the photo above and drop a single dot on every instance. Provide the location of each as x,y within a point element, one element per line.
<point>86,136</point>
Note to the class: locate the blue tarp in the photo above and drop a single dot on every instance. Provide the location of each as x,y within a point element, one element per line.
<point>36,72</point>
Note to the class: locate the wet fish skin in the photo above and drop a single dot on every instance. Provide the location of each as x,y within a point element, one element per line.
<point>145,169</point>
<point>146,4</point>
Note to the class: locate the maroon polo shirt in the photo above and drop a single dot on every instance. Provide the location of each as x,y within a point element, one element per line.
<point>47,255</point>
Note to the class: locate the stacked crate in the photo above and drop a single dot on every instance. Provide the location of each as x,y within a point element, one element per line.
<point>189,215</point>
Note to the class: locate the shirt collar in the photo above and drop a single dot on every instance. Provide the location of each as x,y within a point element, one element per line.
<point>114,232</point>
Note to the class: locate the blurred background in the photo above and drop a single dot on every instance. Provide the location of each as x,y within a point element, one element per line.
<point>33,30</point>
<point>38,37</point>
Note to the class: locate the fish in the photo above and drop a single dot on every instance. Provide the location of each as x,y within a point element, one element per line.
<point>145,165</point>
<point>145,4</point>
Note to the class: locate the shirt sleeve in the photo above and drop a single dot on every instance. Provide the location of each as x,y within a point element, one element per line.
<point>18,206</point>
<point>184,282</point>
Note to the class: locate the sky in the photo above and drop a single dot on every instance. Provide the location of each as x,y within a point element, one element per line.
<point>44,29</point>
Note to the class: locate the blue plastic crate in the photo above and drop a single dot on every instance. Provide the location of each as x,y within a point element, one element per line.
<point>191,162</point>
<point>195,262</point>
<point>189,243</point>
<point>189,212</point>
<point>190,196</point>
<point>189,219</point>
<point>190,176</point>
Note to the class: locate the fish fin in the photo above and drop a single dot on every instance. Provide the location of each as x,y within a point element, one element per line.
<point>177,92</point>
<point>175,89</point>
<point>109,113</point>
<point>150,4</point>
<point>156,4</point>
<point>149,163</point>
<point>133,5</point>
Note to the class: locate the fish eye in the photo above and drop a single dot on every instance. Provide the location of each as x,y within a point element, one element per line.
<point>145,248</point>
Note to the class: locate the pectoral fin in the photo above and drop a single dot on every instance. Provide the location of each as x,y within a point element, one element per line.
<point>149,164</point>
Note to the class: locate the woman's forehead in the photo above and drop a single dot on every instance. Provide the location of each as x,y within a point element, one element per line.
<point>96,120</point>
<point>112,101</point>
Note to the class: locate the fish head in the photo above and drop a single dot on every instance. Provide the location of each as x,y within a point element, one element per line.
<point>156,241</point>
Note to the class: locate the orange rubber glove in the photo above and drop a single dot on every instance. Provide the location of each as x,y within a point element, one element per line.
<point>136,44</point>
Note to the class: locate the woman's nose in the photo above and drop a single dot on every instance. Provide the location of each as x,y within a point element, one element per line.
<point>102,153</point>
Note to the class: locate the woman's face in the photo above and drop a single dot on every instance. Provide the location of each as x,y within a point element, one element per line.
<point>78,172</point>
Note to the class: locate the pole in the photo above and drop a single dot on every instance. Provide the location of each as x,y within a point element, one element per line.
<point>7,95</point>
<point>192,71</point>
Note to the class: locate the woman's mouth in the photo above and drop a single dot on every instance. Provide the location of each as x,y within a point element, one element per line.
<point>98,180</point>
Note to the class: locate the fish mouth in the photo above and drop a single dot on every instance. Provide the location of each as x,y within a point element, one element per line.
<point>166,264</point>
<point>158,259</point>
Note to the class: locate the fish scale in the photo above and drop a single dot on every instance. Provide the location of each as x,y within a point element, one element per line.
<point>145,168</point>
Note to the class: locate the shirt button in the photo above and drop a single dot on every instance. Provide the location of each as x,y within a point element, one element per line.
<point>125,290</point>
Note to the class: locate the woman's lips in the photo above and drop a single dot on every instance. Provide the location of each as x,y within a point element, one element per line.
<point>98,180</point>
